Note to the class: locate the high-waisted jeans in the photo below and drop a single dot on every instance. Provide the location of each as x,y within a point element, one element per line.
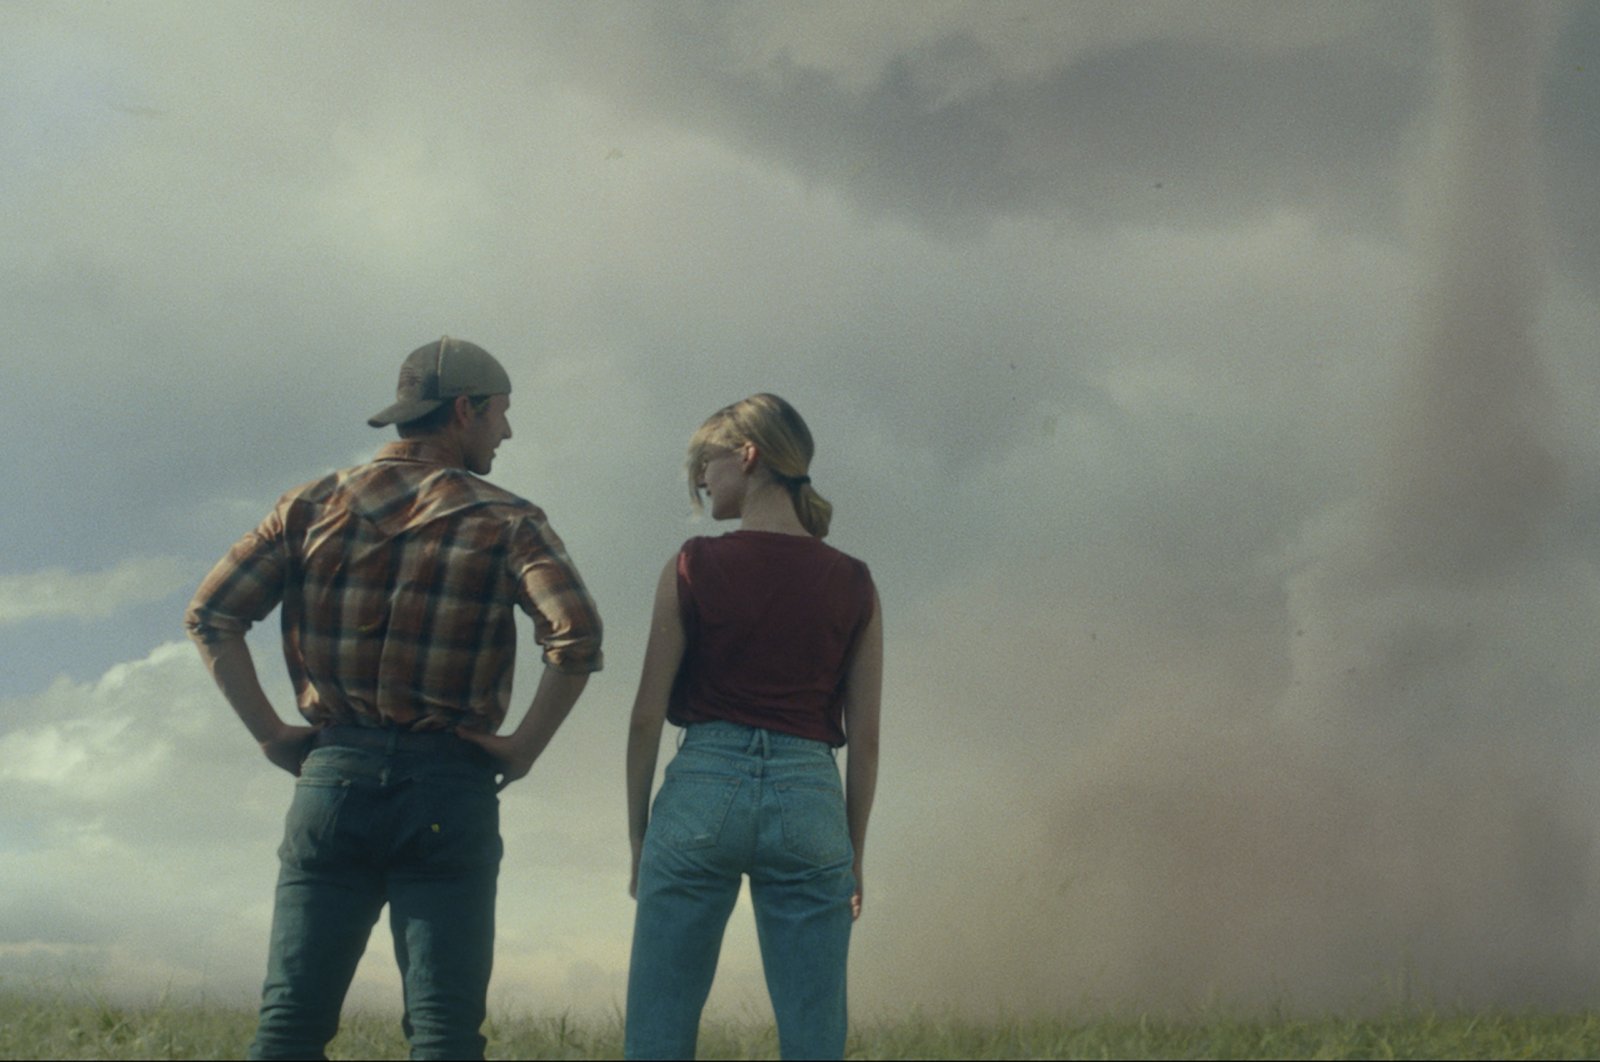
<point>738,800</point>
<point>374,825</point>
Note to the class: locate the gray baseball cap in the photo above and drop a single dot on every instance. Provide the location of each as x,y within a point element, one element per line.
<point>437,372</point>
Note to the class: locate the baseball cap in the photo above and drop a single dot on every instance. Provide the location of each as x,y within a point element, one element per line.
<point>435,373</point>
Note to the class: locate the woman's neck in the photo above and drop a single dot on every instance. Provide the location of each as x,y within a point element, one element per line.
<point>769,507</point>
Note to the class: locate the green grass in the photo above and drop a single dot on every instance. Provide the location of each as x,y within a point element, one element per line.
<point>69,1023</point>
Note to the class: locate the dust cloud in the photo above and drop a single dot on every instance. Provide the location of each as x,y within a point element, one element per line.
<point>1389,801</point>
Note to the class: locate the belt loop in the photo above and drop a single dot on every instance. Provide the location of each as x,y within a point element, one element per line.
<point>766,745</point>
<point>393,742</point>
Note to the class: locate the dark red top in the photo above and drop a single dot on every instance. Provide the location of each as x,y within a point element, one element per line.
<point>772,622</point>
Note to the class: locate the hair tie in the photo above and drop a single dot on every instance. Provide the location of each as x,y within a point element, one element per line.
<point>800,481</point>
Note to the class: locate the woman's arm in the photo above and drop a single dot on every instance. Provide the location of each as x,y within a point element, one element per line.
<point>863,694</point>
<point>662,655</point>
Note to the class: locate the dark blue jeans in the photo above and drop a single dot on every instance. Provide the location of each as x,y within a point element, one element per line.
<point>737,800</point>
<point>375,825</point>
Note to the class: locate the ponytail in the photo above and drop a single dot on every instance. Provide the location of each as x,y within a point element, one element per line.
<point>786,448</point>
<point>815,511</point>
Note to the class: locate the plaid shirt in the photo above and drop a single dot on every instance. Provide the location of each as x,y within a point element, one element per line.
<point>397,580</point>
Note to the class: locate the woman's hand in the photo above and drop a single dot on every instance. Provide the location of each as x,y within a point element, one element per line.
<point>855,897</point>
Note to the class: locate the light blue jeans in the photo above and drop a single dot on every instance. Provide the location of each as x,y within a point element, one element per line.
<point>736,801</point>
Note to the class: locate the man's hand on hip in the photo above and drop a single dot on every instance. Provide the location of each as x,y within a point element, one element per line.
<point>516,752</point>
<point>510,760</point>
<point>288,747</point>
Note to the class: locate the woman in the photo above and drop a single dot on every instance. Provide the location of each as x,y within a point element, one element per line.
<point>766,646</point>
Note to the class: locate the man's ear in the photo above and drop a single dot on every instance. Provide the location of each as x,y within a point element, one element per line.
<point>462,415</point>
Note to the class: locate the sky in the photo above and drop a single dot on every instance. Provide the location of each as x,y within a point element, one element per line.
<point>1209,386</point>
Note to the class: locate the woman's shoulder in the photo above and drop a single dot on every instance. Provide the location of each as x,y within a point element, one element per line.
<point>695,545</point>
<point>694,554</point>
<point>773,546</point>
<point>839,555</point>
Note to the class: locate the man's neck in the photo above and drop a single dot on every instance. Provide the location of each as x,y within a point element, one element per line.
<point>440,448</point>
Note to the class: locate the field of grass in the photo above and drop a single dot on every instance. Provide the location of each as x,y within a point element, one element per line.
<point>64,1025</point>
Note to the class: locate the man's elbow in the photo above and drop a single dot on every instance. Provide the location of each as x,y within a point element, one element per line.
<point>213,641</point>
<point>208,626</point>
<point>574,652</point>
<point>574,662</point>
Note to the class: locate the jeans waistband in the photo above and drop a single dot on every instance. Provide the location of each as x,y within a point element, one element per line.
<point>436,744</point>
<point>750,739</point>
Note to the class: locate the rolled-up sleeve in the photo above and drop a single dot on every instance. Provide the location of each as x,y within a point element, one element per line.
<point>565,619</point>
<point>244,587</point>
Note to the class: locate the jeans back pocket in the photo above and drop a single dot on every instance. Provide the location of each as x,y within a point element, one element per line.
<point>311,826</point>
<point>691,809</point>
<point>814,826</point>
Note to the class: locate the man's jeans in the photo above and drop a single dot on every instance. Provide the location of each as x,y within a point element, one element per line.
<point>738,800</point>
<point>373,825</point>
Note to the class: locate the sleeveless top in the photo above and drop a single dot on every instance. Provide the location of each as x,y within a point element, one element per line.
<point>772,621</point>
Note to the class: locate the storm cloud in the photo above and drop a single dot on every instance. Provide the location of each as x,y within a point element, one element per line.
<point>1208,385</point>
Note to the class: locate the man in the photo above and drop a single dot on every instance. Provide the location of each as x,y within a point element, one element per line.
<point>398,580</point>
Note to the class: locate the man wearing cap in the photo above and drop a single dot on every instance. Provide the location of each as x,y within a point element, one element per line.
<point>398,581</point>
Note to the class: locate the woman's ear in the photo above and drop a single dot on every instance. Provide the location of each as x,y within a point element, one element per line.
<point>749,457</point>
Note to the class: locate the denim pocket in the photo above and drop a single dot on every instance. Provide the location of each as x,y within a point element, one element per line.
<point>814,826</point>
<point>461,829</point>
<point>690,810</point>
<point>313,819</point>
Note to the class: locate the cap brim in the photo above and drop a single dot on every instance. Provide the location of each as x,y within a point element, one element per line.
<point>402,412</point>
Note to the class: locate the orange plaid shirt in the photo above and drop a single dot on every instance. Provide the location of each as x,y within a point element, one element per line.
<point>397,580</point>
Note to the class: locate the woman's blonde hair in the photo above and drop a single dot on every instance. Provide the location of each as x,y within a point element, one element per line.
<point>785,445</point>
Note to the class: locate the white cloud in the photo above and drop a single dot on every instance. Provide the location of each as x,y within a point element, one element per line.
<point>57,593</point>
<point>143,782</point>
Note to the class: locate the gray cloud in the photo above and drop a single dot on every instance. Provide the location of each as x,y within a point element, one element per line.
<point>1136,114</point>
<point>1127,461</point>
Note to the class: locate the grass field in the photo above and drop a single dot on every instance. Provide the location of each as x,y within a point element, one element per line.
<point>61,1025</point>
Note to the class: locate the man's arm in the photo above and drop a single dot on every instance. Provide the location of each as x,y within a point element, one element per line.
<point>230,663</point>
<point>241,589</point>
<point>516,752</point>
<point>567,624</point>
